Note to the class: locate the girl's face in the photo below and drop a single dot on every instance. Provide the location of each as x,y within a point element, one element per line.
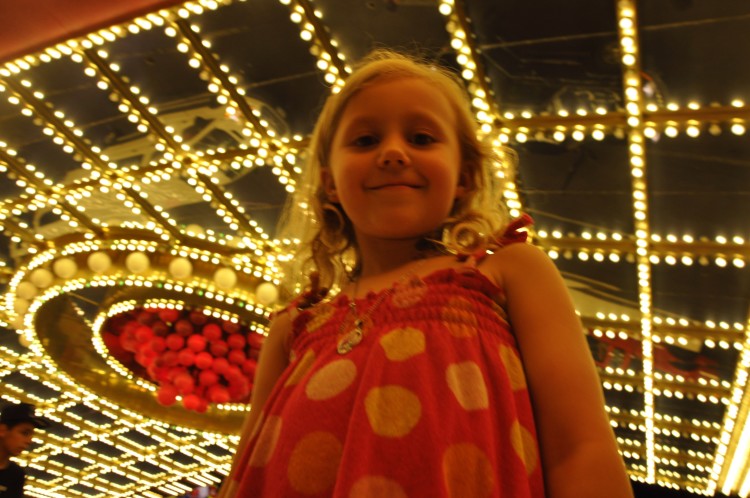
<point>395,160</point>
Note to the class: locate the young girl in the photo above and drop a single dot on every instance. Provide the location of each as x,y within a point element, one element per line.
<point>451,362</point>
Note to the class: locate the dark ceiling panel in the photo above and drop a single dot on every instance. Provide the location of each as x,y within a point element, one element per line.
<point>239,85</point>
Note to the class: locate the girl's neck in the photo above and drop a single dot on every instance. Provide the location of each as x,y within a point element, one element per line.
<point>385,256</point>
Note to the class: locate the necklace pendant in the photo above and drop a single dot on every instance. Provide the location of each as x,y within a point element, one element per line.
<point>350,340</point>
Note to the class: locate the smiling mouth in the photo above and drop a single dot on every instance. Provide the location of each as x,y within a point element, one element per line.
<point>395,186</point>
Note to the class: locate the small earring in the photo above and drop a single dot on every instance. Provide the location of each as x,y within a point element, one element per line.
<point>333,229</point>
<point>332,215</point>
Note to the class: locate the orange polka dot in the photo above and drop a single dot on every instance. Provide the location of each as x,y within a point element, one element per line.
<point>302,367</point>
<point>467,472</point>
<point>514,367</point>
<point>377,487</point>
<point>408,295</point>
<point>459,317</point>
<point>393,411</point>
<point>321,314</point>
<point>314,463</point>
<point>402,344</point>
<point>258,424</point>
<point>524,445</point>
<point>269,436</point>
<point>466,381</point>
<point>331,380</point>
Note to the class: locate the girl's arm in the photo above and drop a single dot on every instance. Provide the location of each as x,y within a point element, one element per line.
<point>273,359</point>
<point>578,448</point>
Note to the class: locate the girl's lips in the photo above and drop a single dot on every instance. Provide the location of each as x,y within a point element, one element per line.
<point>394,186</point>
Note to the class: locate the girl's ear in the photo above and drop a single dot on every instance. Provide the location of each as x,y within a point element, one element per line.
<point>464,183</point>
<point>326,179</point>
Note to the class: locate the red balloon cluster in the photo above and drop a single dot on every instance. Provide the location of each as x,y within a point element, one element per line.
<point>187,353</point>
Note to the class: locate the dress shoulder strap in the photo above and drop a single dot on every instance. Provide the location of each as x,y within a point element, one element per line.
<point>310,297</point>
<point>511,234</point>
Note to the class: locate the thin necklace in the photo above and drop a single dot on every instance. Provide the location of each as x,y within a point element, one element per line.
<point>352,338</point>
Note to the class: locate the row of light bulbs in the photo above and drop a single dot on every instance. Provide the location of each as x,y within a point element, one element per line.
<point>598,132</point>
<point>628,36</point>
<point>614,256</point>
<point>651,107</point>
<point>446,11</point>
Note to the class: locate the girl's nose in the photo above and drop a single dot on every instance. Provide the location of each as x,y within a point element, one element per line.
<point>393,155</point>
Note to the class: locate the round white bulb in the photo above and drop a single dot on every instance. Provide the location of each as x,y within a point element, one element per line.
<point>137,262</point>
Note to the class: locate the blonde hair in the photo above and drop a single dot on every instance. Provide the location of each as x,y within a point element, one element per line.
<point>328,244</point>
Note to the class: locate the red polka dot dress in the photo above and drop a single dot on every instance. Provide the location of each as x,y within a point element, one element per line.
<point>432,402</point>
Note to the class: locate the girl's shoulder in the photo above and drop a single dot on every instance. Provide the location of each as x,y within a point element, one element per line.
<point>508,249</point>
<point>515,258</point>
<point>510,261</point>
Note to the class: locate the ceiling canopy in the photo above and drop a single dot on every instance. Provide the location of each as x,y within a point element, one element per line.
<point>147,150</point>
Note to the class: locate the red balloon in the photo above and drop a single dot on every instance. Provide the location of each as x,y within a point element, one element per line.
<point>255,340</point>
<point>236,356</point>
<point>204,360</point>
<point>112,341</point>
<point>161,374</point>
<point>140,359</point>
<point>175,342</point>
<point>236,341</point>
<point>184,382</point>
<point>208,378</point>
<point>130,326</point>
<point>146,357</point>
<point>230,327</point>
<point>202,405</point>
<point>158,344</point>
<point>169,315</point>
<point>248,367</point>
<point>186,357</point>
<point>166,395</point>
<point>198,317</point>
<point>187,353</point>
<point>169,358</point>
<point>183,328</point>
<point>218,394</point>
<point>160,328</point>
<point>239,390</point>
<point>175,372</point>
<point>151,371</point>
<point>196,343</point>
<point>220,365</point>
<point>128,342</point>
<point>233,374</point>
<point>219,348</point>
<point>191,402</point>
<point>146,317</point>
<point>212,332</point>
<point>144,333</point>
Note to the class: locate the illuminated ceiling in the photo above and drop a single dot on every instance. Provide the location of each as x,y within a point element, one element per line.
<point>178,134</point>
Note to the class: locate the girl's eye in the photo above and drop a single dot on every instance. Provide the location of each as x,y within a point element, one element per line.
<point>365,141</point>
<point>423,139</point>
